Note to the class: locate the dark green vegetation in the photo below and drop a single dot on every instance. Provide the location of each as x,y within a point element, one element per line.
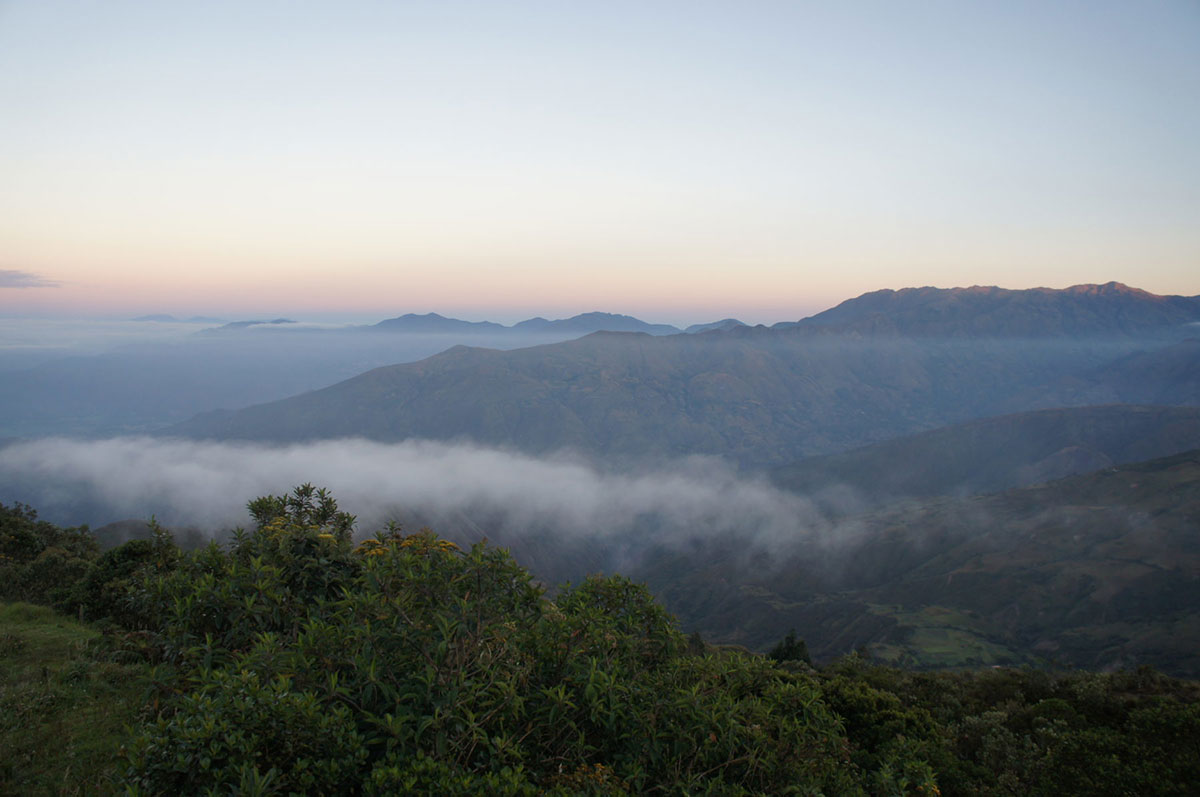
<point>766,397</point>
<point>296,661</point>
<point>1096,570</point>
<point>39,561</point>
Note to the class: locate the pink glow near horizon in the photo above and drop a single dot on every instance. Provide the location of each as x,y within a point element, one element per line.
<point>673,162</point>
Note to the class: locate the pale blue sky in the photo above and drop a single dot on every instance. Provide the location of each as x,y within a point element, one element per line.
<point>681,160</point>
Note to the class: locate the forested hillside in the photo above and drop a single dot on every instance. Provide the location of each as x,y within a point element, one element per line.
<point>1099,570</point>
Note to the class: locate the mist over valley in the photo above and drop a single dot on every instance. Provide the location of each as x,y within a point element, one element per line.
<point>753,476</point>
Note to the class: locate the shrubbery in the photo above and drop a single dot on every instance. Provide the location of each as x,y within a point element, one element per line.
<point>41,562</point>
<point>293,660</point>
<point>432,668</point>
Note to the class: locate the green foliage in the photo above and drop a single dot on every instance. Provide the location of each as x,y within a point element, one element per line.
<point>233,729</point>
<point>304,506</point>
<point>40,562</point>
<point>439,670</point>
<point>104,590</point>
<point>790,649</point>
<point>423,775</point>
<point>1025,732</point>
<point>295,661</point>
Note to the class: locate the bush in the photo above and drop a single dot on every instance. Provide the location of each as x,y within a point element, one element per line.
<point>441,670</point>
<point>41,562</point>
<point>234,730</point>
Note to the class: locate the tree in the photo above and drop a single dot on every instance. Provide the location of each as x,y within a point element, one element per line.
<point>790,649</point>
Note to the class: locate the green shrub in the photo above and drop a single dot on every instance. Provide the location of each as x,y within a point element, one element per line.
<point>41,562</point>
<point>234,729</point>
<point>448,671</point>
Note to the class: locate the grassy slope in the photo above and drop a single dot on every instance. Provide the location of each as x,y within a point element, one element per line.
<point>63,714</point>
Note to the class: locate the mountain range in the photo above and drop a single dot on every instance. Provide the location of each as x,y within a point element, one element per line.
<point>582,324</point>
<point>1081,310</point>
<point>757,396</point>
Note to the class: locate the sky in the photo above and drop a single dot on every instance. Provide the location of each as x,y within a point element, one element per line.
<point>679,161</point>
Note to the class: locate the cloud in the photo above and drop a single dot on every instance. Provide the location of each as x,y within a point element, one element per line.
<point>12,278</point>
<point>208,484</point>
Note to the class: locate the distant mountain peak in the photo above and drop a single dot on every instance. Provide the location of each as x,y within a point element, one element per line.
<point>1112,288</point>
<point>595,321</point>
<point>724,323</point>
<point>1111,308</point>
<point>433,323</point>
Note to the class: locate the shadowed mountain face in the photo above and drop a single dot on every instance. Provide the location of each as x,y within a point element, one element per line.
<point>997,453</point>
<point>1170,375</point>
<point>1106,309</point>
<point>1098,570</point>
<point>756,396</point>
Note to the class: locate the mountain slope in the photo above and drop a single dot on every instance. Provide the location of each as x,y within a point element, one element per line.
<point>1000,452</point>
<point>1170,375</point>
<point>757,396</point>
<point>1098,570</point>
<point>1109,309</point>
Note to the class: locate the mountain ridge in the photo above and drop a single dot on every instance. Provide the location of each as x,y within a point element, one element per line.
<point>756,395</point>
<point>1111,308</point>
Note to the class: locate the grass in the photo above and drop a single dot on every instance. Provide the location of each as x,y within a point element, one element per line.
<point>64,712</point>
<point>941,638</point>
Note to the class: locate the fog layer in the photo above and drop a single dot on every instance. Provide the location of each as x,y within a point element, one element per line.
<point>208,484</point>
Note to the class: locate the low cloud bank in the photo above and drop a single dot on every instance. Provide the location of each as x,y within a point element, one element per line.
<point>207,484</point>
<point>14,278</point>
